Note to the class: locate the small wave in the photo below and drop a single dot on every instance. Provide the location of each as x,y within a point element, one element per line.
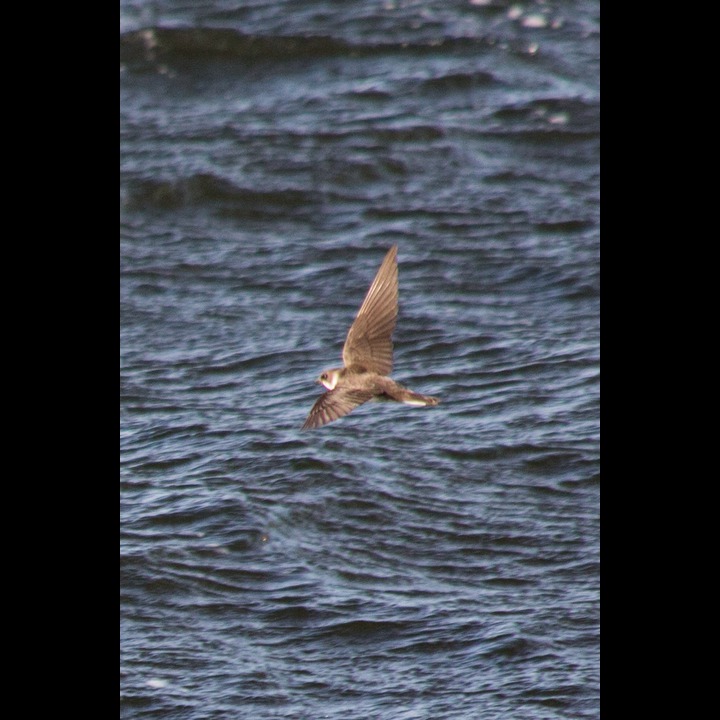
<point>206,188</point>
<point>156,43</point>
<point>457,81</point>
<point>569,116</point>
<point>161,44</point>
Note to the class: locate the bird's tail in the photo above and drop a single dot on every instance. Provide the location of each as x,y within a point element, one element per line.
<point>416,399</point>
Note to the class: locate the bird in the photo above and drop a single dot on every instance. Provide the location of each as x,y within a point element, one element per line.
<point>367,356</point>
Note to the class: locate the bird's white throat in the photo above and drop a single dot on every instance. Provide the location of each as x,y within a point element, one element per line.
<point>330,381</point>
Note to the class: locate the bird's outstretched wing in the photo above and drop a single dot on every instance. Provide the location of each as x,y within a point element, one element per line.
<point>333,405</point>
<point>369,340</point>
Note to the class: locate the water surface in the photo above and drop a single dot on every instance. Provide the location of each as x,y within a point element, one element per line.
<point>401,562</point>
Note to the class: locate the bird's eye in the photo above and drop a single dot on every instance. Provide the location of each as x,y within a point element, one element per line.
<point>323,376</point>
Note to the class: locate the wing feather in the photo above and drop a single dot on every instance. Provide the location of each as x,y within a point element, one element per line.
<point>333,405</point>
<point>369,340</point>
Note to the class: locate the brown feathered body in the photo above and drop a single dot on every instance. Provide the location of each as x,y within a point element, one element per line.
<point>367,356</point>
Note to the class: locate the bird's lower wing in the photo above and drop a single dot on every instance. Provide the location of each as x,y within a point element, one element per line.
<point>333,405</point>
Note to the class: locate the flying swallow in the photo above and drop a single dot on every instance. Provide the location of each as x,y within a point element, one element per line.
<point>367,356</point>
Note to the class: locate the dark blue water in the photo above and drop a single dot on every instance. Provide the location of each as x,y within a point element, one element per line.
<point>401,562</point>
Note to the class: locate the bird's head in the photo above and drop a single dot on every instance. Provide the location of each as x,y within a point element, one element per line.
<point>329,379</point>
